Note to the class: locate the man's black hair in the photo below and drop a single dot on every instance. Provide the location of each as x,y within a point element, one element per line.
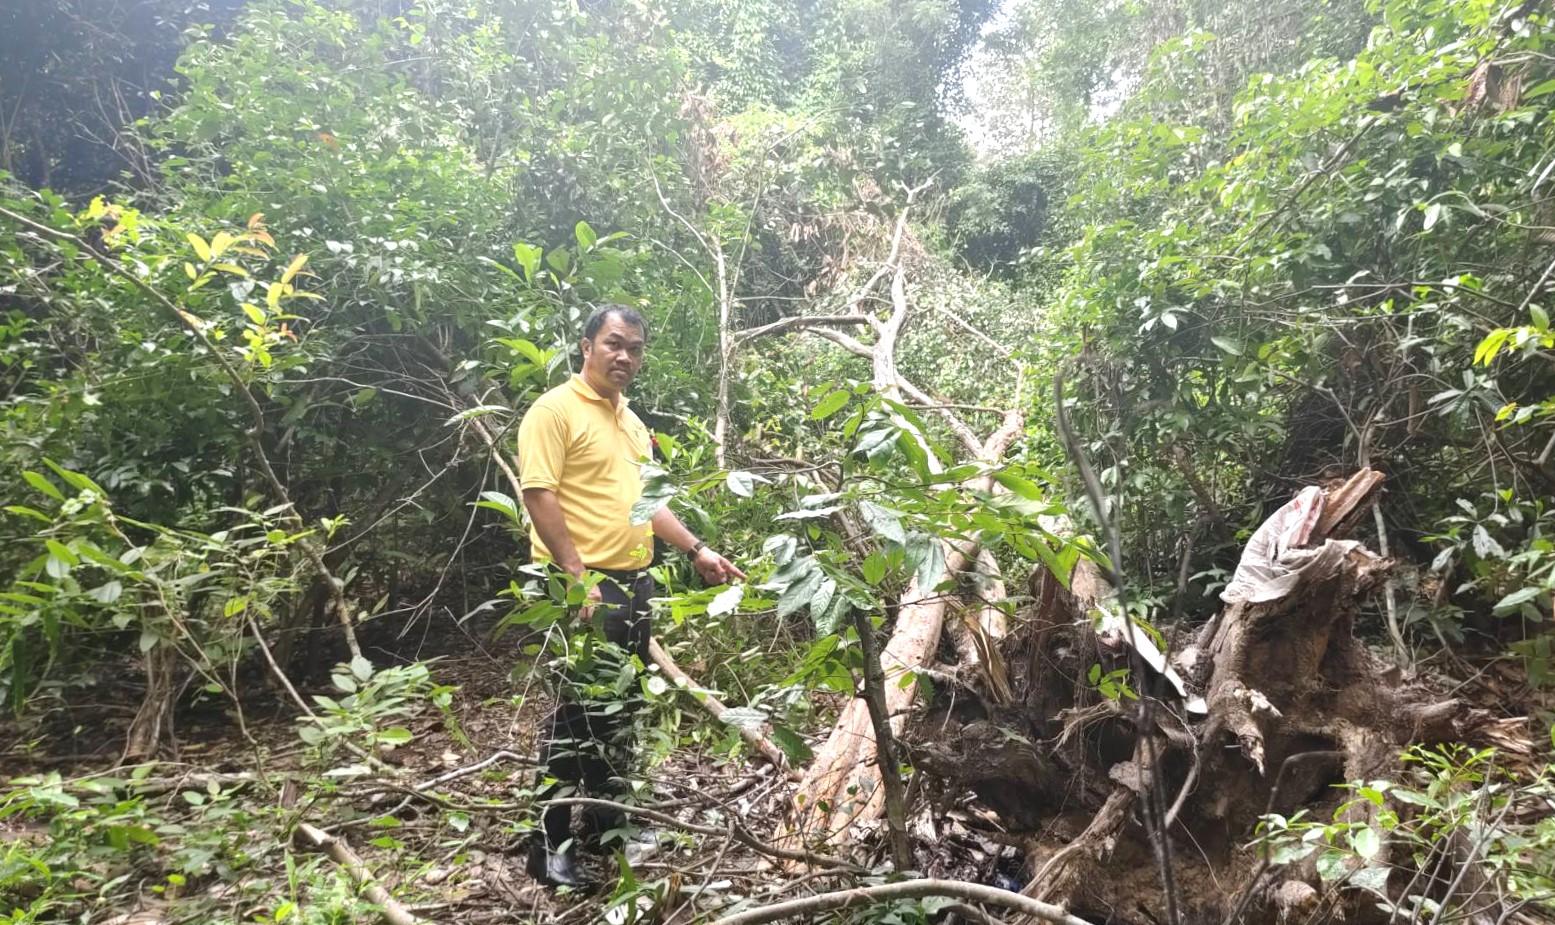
<point>624,313</point>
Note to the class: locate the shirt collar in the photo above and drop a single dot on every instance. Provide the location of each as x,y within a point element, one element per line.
<point>582,387</point>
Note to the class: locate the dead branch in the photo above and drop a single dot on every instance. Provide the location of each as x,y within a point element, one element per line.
<point>753,736</point>
<point>796,322</point>
<point>357,870</point>
<point>475,768</point>
<point>885,743</point>
<point>910,889</point>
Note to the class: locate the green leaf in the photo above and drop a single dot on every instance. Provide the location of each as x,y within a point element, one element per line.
<point>39,481</point>
<point>1020,485</point>
<point>792,746</point>
<point>201,248</point>
<point>885,522</point>
<point>1331,865</point>
<point>657,491</point>
<point>528,258</point>
<point>25,511</point>
<point>1538,90</point>
<point>874,567</point>
<point>1372,879</point>
<point>1366,842</point>
<point>585,235</point>
<point>395,735</point>
<point>1228,345</point>
<point>1485,546</point>
<point>1433,214</point>
<point>745,717</point>
<point>497,501</point>
<point>831,404</point>
<point>106,593</point>
<point>926,558</point>
<point>1541,318</point>
<point>75,479</point>
<point>798,594</point>
<point>361,668</point>
<point>1514,602</point>
<point>781,547</point>
<point>62,552</point>
<point>742,483</point>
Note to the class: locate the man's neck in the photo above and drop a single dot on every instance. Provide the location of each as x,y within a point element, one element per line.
<point>605,390</point>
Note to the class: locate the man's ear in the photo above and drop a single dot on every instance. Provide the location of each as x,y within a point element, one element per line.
<point>584,346</point>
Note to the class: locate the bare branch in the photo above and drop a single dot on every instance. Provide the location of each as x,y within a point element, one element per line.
<point>809,906</point>
<point>959,427</point>
<point>800,322</point>
<point>352,864</point>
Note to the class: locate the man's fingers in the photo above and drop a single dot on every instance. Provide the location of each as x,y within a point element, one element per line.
<point>731,571</point>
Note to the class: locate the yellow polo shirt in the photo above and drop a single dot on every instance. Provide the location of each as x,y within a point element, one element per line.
<point>590,452</point>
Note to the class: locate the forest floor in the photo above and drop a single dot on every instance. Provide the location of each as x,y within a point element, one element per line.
<point>442,822</point>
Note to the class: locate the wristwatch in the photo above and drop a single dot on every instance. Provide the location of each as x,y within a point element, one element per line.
<point>692,552</point>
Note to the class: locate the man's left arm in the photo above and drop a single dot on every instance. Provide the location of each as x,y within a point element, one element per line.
<point>714,569</point>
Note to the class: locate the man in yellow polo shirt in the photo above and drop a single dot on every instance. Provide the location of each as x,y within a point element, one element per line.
<point>580,454</point>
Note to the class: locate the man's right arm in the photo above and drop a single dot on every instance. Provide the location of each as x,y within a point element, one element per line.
<point>545,512</point>
<point>542,457</point>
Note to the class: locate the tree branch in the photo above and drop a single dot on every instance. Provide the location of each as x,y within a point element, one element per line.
<point>801,322</point>
<point>341,853</point>
<point>910,889</point>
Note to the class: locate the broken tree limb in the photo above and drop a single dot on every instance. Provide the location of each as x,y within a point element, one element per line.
<point>753,736</point>
<point>843,784</point>
<point>355,868</point>
<point>810,906</point>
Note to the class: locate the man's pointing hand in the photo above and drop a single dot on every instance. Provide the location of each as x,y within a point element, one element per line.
<point>715,569</point>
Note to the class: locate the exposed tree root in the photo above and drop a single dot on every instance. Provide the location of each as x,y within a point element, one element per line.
<point>1291,694</point>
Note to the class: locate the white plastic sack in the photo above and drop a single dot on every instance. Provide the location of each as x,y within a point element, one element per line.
<point>1275,560</point>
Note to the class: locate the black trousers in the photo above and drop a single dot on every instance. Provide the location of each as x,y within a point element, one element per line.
<point>588,739</point>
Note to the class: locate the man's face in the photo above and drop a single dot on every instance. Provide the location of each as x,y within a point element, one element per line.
<point>615,355</point>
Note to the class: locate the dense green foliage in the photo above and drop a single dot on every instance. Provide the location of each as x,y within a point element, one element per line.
<point>1283,242</point>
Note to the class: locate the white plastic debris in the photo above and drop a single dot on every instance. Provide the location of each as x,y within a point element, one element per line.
<point>1276,560</point>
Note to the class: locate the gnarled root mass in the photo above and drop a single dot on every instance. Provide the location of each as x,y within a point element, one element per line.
<point>1281,701</point>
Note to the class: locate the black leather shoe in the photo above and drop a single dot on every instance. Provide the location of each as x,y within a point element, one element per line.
<point>555,868</point>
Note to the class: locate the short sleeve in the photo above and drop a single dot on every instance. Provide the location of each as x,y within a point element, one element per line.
<point>542,448</point>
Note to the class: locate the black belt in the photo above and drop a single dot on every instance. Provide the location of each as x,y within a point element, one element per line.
<point>621,576</point>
